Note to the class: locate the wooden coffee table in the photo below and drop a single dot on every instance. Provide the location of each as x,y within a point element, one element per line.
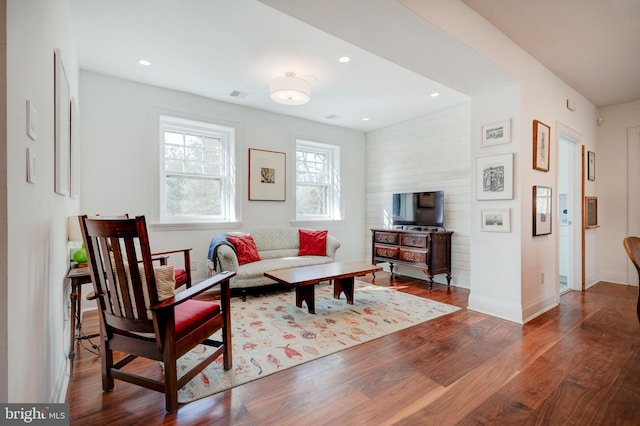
<point>304,279</point>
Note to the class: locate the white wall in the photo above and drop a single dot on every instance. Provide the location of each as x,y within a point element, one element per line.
<point>119,156</point>
<point>543,97</point>
<point>612,188</point>
<point>423,154</point>
<point>36,217</point>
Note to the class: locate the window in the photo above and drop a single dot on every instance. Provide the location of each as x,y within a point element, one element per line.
<point>317,181</point>
<point>197,171</point>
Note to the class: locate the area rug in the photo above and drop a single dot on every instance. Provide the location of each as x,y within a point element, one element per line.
<point>271,334</point>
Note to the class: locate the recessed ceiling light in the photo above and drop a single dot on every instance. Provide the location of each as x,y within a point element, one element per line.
<point>365,119</point>
<point>435,94</point>
<point>144,62</point>
<point>344,59</point>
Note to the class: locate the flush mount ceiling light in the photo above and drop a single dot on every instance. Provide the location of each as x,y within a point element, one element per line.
<point>290,90</point>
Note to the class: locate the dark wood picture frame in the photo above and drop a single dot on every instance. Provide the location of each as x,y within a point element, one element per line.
<point>541,146</point>
<point>590,212</point>
<point>542,210</point>
<point>267,175</point>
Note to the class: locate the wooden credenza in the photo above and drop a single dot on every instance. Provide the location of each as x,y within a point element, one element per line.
<point>427,250</point>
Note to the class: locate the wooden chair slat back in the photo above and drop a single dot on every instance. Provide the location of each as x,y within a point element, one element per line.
<point>121,267</point>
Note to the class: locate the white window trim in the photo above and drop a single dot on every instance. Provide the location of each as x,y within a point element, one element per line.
<point>334,203</point>
<point>160,223</point>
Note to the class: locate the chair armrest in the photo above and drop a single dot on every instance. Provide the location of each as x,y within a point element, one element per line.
<point>222,278</point>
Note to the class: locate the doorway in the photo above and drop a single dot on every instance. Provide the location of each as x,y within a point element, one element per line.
<point>569,209</point>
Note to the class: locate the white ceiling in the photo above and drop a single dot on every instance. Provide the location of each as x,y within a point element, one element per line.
<point>214,47</point>
<point>592,45</point>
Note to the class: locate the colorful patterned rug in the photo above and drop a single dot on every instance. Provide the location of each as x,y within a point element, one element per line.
<point>271,334</point>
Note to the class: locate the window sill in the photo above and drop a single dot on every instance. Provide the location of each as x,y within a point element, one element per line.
<point>194,226</point>
<point>298,223</point>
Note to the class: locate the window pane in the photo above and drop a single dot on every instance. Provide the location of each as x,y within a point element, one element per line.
<point>191,140</point>
<point>173,138</point>
<point>311,200</point>
<point>193,197</point>
<point>193,154</point>
<point>173,165</point>
<point>173,151</point>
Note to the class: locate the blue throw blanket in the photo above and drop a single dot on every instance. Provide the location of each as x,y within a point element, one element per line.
<point>216,242</point>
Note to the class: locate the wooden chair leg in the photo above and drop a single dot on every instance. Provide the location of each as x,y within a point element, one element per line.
<point>170,379</point>
<point>106,363</point>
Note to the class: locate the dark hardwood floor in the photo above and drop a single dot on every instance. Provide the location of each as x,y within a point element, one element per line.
<point>576,364</point>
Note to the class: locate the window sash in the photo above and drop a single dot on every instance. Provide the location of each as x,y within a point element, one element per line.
<point>201,153</point>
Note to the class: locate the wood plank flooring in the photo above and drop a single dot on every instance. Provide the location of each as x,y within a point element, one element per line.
<point>576,364</point>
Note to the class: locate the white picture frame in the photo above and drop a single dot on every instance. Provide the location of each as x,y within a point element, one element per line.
<point>495,220</point>
<point>62,127</point>
<point>74,191</point>
<point>496,133</point>
<point>494,177</point>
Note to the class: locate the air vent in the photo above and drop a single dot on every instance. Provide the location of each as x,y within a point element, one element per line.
<point>333,117</point>
<point>238,94</point>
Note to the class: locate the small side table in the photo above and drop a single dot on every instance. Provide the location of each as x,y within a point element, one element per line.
<point>77,276</point>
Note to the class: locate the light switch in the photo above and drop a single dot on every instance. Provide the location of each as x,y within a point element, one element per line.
<point>32,121</point>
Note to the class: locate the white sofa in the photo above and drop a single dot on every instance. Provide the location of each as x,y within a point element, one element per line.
<point>278,249</point>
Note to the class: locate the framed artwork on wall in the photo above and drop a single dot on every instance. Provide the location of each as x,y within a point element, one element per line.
<point>494,177</point>
<point>541,210</point>
<point>590,212</point>
<point>495,220</point>
<point>497,133</point>
<point>541,146</point>
<point>591,165</point>
<point>267,175</point>
<point>62,133</point>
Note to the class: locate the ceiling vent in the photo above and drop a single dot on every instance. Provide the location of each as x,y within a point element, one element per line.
<point>238,94</point>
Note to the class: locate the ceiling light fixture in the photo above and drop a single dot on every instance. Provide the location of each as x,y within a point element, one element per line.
<point>344,59</point>
<point>435,94</point>
<point>144,62</point>
<point>290,90</point>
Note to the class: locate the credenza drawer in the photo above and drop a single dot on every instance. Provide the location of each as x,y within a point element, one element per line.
<point>413,256</point>
<point>386,237</point>
<point>387,252</point>
<point>412,240</point>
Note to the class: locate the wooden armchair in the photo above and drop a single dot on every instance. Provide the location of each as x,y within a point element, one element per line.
<point>632,247</point>
<point>140,317</point>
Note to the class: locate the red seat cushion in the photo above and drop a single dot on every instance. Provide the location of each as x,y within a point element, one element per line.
<point>178,273</point>
<point>192,313</point>
<point>313,243</point>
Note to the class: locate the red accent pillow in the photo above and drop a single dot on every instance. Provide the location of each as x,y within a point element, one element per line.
<point>313,243</point>
<point>245,248</point>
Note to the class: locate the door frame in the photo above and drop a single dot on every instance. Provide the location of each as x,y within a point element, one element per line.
<point>575,278</point>
<point>633,189</point>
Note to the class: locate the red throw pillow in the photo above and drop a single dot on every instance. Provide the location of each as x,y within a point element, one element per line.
<point>313,243</point>
<point>245,248</point>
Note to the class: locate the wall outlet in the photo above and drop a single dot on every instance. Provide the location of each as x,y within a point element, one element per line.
<point>541,277</point>
<point>194,265</point>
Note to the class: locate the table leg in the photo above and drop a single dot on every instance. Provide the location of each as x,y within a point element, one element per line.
<point>345,285</point>
<point>306,293</point>
<point>72,338</point>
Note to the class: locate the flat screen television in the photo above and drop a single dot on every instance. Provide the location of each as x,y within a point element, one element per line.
<point>419,209</point>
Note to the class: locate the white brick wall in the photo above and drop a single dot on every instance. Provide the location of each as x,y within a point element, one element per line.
<point>427,153</point>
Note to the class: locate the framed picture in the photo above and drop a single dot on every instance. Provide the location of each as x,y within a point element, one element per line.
<point>495,220</point>
<point>74,190</point>
<point>591,165</point>
<point>494,177</point>
<point>541,146</point>
<point>590,212</point>
<point>62,126</point>
<point>267,175</point>
<point>497,133</point>
<point>541,210</point>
